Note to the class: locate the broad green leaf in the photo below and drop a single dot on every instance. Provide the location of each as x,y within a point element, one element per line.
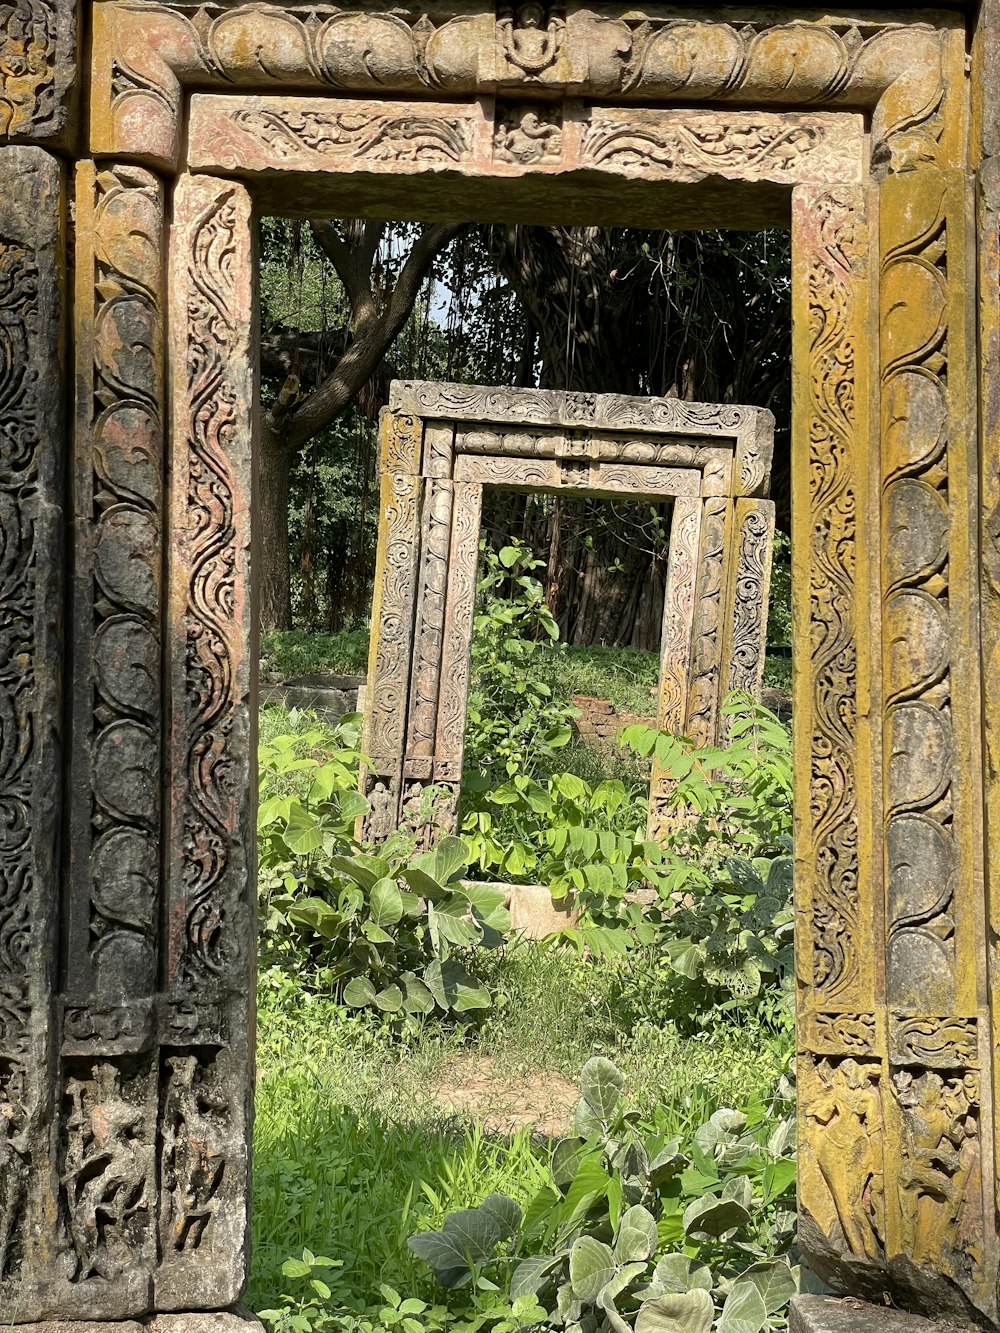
<point>390,1000</point>
<point>469,1235</point>
<point>418,999</point>
<point>506,1212</point>
<point>609,1294</point>
<point>531,1275</point>
<point>774,1282</point>
<point>565,1162</point>
<point>744,1311</point>
<point>352,806</point>
<point>676,1312</point>
<point>711,1216</point>
<point>359,992</point>
<point>601,1084</point>
<point>386,903</point>
<point>296,1268</point>
<point>680,1273</point>
<point>591,1267</point>
<point>302,832</point>
<point>636,1239</point>
<point>449,857</point>
<point>318,915</point>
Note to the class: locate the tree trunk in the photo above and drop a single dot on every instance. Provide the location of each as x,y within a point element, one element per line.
<point>276,461</point>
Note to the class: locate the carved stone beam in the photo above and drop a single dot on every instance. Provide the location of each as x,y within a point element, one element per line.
<point>904,73</point>
<point>747,429</point>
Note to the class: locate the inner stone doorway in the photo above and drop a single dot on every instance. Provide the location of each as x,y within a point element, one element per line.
<point>440,445</point>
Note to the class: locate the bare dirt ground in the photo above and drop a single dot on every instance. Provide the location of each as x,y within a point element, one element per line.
<point>477,1087</point>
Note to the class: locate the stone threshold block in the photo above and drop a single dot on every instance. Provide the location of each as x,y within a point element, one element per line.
<point>202,1321</point>
<point>833,1314</point>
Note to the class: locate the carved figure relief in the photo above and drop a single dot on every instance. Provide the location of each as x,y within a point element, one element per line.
<point>527,135</point>
<point>531,37</point>
<point>428,553</point>
<point>842,1156</point>
<point>107,1177</point>
<point>939,1179</point>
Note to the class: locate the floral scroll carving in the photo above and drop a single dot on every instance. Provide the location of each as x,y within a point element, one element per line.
<point>117,812</point>
<point>833,301</point>
<point>454,439</point>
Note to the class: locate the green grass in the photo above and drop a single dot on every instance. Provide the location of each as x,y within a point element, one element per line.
<point>287,653</point>
<point>625,676</point>
<point>352,1154</point>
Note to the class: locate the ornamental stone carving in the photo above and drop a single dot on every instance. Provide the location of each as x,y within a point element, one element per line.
<point>126,690</point>
<point>441,444</point>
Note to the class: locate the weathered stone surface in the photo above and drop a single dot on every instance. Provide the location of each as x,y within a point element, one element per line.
<point>240,1321</point>
<point>38,72</point>
<point>715,614</point>
<point>905,75</point>
<point>125,1099</point>
<point>828,1314</point>
<point>33,449</point>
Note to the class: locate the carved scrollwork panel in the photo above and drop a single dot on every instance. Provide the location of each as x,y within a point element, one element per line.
<point>393,613</point>
<point>709,622</point>
<point>32,465</point>
<point>115,858</point>
<point>746,635</point>
<point>211,946</point>
<point>675,645</point>
<point>742,145</point>
<point>835,941</point>
<point>400,442</point>
<point>460,607</point>
<point>254,134</point>
<point>428,637</point>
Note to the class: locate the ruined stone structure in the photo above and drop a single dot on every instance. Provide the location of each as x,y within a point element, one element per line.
<point>138,137</point>
<point>440,445</point>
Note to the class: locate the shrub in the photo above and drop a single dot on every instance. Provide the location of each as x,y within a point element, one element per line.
<point>374,927</point>
<point>635,1230</point>
<point>515,723</point>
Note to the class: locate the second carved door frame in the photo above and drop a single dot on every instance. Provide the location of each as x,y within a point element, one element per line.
<point>441,445</point>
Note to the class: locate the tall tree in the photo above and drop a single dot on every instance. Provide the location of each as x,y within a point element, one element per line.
<point>380,299</point>
<point>697,315</point>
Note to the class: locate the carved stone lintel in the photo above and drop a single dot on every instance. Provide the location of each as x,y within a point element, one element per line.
<point>256,134</point>
<point>907,75</point>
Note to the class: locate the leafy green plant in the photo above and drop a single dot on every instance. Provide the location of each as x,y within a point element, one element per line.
<point>288,653</point>
<point>515,722</point>
<point>308,804</point>
<point>724,919</point>
<point>392,928</point>
<point>307,1310</point>
<point>635,1231</point>
<point>586,843</point>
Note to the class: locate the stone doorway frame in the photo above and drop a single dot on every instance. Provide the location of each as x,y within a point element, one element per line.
<point>127,859</point>
<point>440,446</point>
